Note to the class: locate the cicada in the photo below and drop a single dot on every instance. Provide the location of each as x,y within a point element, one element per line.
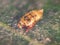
<point>29,20</point>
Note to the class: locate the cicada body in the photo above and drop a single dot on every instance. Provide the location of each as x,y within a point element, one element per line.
<point>29,20</point>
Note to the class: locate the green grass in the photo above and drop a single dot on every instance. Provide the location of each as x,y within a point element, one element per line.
<point>54,20</point>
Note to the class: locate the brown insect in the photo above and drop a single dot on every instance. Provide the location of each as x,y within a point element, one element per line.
<point>29,20</point>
